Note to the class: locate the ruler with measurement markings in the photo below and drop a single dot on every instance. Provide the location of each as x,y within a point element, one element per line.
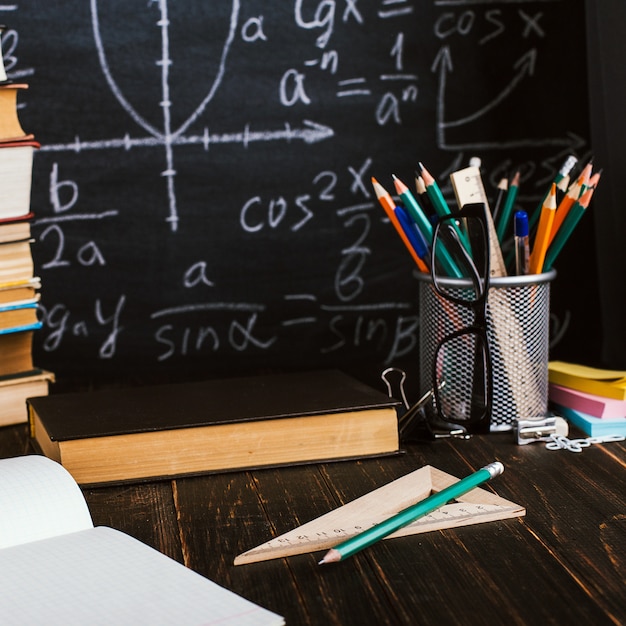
<point>322,533</point>
<point>468,189</point>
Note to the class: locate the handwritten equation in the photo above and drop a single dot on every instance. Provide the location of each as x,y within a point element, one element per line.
<point>203,184</point>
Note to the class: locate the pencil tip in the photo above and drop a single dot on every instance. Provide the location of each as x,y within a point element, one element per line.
<point>585,200</point>
<point>332,556</point>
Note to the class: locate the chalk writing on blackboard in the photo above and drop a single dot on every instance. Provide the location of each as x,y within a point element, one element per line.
<point>202,194</point>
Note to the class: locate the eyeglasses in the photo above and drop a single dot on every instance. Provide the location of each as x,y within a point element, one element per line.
<point>462,377</point>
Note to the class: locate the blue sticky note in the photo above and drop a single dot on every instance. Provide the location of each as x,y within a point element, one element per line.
<point>593,426</point>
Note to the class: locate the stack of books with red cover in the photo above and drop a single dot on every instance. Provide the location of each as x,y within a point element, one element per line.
<point>592,399</point>
<point>19,287</point>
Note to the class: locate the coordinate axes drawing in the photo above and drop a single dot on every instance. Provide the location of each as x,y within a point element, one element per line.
<point>168,137</point>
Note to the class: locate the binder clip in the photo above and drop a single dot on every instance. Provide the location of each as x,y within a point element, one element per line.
<point>413,422</point>
<point>540,429</point>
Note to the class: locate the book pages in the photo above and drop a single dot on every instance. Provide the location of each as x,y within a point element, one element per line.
<point>38,499</point>
<point>102,576</point>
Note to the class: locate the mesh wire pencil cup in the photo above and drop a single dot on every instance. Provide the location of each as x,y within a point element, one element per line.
<point>518,319</point>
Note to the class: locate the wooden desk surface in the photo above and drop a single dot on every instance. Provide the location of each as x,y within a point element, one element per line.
<point>563,563</point>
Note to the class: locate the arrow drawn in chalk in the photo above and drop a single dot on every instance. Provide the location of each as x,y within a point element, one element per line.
<point>524,67</point>
<point>310,132</point>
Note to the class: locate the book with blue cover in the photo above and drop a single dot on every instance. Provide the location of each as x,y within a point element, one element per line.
<point>19,315</point>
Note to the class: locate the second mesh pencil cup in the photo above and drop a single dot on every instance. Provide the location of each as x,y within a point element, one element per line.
<point>518,320</point>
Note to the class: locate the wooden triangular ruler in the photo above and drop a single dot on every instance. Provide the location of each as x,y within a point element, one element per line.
<point>325,532</point>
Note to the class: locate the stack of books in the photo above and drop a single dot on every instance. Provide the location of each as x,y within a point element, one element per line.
<point>592,399</point>
<point>19,287</point>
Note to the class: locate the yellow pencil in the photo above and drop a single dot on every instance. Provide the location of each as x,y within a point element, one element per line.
<point>544,229</point>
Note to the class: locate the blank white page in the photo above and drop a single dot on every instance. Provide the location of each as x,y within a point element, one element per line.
<point>102,577</point>
<point>38,498</point>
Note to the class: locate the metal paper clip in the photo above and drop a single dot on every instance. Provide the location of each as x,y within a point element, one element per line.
<point>540,429</point>
<point>399,385</point>
<point>561,442</point>
<point>413,423</point>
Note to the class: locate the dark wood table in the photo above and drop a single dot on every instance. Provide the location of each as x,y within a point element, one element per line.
<point>563,563</point>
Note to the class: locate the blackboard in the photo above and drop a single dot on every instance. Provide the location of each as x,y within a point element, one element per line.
<point>202,192</point>
<point>607,89</point>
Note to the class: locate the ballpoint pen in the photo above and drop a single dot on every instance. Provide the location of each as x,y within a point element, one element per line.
<point>522,248</point>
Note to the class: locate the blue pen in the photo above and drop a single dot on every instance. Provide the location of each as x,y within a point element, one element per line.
<point>522,249</point>
<point>413,235</point>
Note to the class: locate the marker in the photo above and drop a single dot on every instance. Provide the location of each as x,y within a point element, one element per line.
<point>410,514</point>
<point>522,250</point>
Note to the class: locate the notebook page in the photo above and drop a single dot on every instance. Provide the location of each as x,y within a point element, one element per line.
<point>102,577</point>
<point>38,499</point>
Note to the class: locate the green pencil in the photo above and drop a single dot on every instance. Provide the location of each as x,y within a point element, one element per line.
<point>567,228</point>
<point>426,228</point>
<point>504,220</point>
<point>410,514</point>
<point>439,203</point>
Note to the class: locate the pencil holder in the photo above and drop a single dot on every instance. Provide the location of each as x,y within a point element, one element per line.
<point>518,319</point>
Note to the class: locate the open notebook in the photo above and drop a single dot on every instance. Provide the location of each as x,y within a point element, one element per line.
<point>57,568</point>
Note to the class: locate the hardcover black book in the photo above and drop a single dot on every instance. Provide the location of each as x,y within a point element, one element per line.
<point>214,425</point>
